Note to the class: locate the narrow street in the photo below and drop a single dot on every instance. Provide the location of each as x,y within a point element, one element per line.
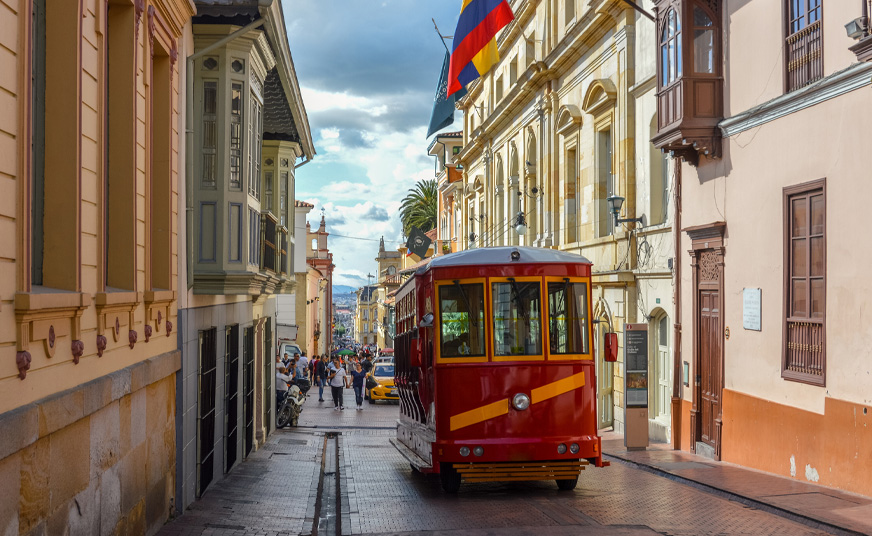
<point>338,474</point>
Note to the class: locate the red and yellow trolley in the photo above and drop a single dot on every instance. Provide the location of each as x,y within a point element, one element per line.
<point>495,367</point>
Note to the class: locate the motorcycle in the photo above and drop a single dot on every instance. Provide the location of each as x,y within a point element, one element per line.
<point>289,410</point>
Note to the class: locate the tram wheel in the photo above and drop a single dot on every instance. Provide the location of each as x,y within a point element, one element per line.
<point>450,478</point>
<point>567,484</point>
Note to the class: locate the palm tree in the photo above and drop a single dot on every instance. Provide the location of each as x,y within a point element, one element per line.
<point>419,207</point>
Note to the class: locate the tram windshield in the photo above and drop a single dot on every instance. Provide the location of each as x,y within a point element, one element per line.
<point>567,304</point>
<point>517,323</point>
<point>461,320</point>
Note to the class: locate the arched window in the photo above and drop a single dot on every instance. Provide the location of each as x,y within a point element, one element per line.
<point>670,49</point>
<point>703,42</point>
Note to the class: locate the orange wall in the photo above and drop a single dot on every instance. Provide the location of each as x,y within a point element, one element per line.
<point>764,435</point>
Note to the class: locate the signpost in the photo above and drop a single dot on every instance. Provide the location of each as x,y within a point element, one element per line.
<point>636,385</point>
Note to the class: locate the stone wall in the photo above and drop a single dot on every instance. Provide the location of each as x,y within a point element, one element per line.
<point>92,460</point>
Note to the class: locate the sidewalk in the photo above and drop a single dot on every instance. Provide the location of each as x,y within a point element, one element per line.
<point>825,508</point>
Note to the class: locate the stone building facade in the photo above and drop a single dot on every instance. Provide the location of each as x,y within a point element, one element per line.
<point>90,163</point>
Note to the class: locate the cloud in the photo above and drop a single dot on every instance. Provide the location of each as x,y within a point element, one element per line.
<point>367,73</point>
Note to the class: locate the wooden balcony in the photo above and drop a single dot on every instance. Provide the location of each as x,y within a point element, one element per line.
<point>805,59</point>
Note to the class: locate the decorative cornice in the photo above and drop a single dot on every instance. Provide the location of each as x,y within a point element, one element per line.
<point>854,77</point>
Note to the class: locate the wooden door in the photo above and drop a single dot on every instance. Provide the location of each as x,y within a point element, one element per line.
<point>711,382</point>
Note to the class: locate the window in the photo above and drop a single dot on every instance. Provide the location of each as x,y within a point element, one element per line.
<point>571,196</point>
<point>804,353</point>
<point>268,192</point>
<point>670,49</point>
<point>498,90</point>
<point>253,237</point>
<point>517,323</point>
<point>569,11</point>
<point>283,198</point>
<point>605,182</point>
<point>530,52</point>
<point>804,43</point>
<point>255,133</point>
<point>461,320</point>
<point>236,136</point>
<point>703,42</point>
<point>206,416</point>
<point>567,305</point>
<point>513,71</point>
<point>38,142</point>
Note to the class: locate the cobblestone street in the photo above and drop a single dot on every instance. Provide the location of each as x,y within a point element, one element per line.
<point>280,490</point>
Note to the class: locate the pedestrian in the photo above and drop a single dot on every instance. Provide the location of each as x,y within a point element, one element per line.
<point>358,377</point>
<point>282,381</point>
<point>367,364</point>
<point>321,371</point>
<point>311,372</point>
<point>338,382</point>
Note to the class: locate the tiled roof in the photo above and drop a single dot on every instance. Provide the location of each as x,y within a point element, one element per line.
<point>458,134</point>
<point>303,204</point>
<point>431,234</point>
<point>278,123</point>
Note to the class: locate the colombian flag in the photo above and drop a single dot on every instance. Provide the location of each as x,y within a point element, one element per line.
<point>474,49</point>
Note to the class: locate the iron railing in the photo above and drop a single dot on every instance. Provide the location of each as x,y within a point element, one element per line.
<point>805,59</point>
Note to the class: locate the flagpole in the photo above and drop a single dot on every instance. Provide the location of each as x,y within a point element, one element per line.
<point>440,35</point>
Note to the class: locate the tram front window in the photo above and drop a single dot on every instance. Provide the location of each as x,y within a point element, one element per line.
<point>461,320</point>
<point>517,324</point>
<point>567,304</point>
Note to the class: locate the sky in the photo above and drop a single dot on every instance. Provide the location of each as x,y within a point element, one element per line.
<point>368,71</point>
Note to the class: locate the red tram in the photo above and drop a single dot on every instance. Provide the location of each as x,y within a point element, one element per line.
<point>495,367</point>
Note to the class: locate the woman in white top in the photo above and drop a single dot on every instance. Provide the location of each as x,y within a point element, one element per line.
<point>338,382</point>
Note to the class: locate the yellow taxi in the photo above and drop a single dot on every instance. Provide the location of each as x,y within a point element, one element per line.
<point>383,374</point>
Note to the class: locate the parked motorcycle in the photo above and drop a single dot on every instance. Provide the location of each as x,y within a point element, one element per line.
<point>289,410</point>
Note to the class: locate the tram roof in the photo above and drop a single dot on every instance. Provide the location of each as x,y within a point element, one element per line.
<point>502,255</point>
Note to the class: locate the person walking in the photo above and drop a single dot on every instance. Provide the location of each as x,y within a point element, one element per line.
<point>338,382</point>
<point>358,377</point>
<point>321,376</point>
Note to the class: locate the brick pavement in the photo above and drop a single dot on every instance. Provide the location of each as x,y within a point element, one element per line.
<point>810,503</point>
<point>274,492</point>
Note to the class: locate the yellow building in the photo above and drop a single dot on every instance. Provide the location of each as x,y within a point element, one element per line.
<point>557,127</point>
<point>366,315</point>
<point>89,161</point>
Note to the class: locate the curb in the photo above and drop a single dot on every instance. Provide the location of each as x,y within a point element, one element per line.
<point>747,501</point>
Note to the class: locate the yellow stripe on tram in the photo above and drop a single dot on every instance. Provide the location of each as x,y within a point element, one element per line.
<point>559,387</point>
<point>479,414</point>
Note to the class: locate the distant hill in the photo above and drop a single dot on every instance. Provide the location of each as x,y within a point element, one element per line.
<point>343,289</point>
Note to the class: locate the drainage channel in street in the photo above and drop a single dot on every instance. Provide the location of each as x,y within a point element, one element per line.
<point>328,518</point>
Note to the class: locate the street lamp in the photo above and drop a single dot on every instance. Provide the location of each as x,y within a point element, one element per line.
<point>615,203</point>
<point>520,223</point>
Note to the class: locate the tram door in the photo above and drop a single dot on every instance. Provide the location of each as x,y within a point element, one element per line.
<point>605,380</point>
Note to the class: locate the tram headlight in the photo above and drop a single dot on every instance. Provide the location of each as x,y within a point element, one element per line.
<point>464,451</point>
<point>573,448</point>
<point>478,451</point>
<point>561,448</point>
<point>521,401</point>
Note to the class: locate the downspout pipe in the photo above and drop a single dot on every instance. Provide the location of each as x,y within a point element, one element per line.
<point>189,134</point>
<point>676,353</point>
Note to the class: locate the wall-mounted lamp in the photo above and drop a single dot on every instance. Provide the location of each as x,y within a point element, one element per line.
<point>615,203</point>
<point>856,29</point>
<point>520,223</point>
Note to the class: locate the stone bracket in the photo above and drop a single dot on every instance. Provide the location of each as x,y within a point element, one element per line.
<point>157,308</point>
<point>43,317</point>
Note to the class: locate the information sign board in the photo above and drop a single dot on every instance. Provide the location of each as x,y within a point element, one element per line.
<point>636,365</point>
<point>751,308</point>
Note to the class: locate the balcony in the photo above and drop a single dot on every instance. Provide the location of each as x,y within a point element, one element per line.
<point>268,239</point>
<point>805,61</point>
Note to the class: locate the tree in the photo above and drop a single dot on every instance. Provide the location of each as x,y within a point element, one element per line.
<point>419,208</point>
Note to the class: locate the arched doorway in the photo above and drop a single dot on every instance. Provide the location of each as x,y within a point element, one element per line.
<point>605,371</point>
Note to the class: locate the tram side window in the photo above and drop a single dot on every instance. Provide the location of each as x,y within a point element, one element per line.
<point>461,320</point>
<point>567,304</point>
<point>517,323</point>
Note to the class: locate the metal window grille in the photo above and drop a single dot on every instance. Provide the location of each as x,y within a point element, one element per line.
<point>248,387</point>
<point>206,413</point>
<point>231,397</point>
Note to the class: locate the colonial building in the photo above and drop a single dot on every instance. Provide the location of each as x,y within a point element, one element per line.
<point>768,109</point>
<point>445,147</point>
<point>247,132</point>
<point>551,133</point>
<point>90,173</point>
<point>366,314</point>
<point>290,308</point>
<point>319,312</point>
